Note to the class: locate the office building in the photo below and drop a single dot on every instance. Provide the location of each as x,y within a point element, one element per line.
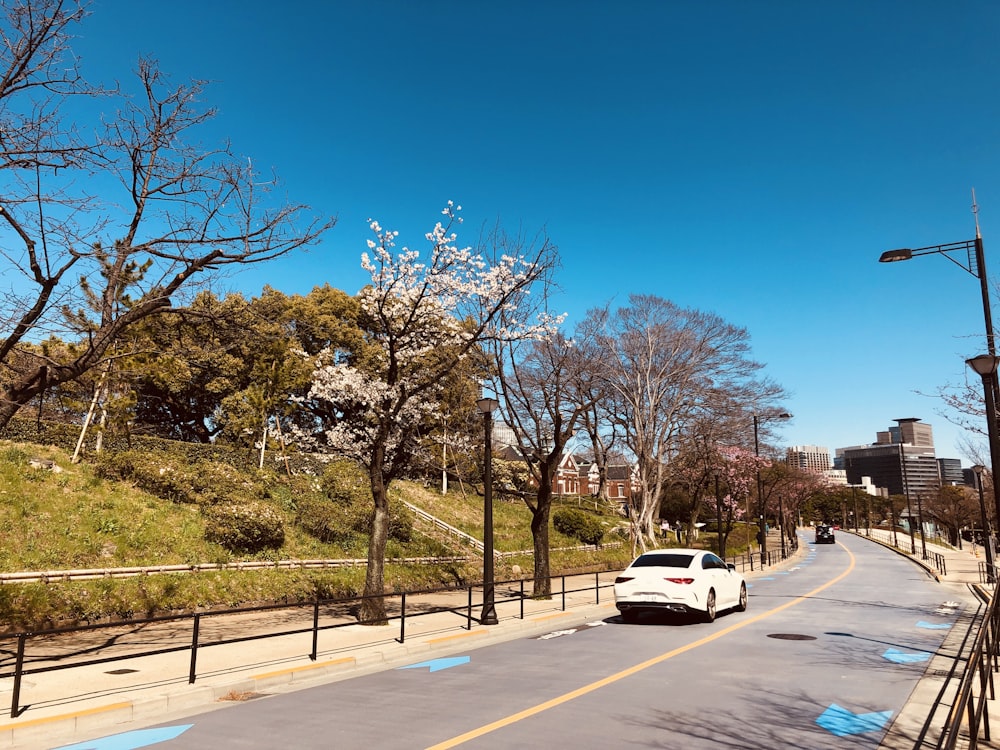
<point>901,461</point>
<point>950,471</point>
<point>808,457</point>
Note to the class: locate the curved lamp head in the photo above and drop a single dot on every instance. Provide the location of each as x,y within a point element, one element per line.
<point>979,469</point>
<point>487,405</point>
<point>891,256</point>
<point>984,364</point>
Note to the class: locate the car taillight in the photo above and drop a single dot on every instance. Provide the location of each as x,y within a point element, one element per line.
<point>679,580</point>
<point>622,579</point>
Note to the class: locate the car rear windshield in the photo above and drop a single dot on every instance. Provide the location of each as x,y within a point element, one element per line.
<point>663,560</point>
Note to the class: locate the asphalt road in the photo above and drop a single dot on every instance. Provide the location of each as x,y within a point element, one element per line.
<point>825,656</point>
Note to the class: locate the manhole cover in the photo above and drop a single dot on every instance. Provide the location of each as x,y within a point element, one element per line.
<point>791,637</point>
<point>236,695</point>
<point>122,671</point>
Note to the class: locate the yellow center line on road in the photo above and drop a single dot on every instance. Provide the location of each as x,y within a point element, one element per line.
<point>610,679</point>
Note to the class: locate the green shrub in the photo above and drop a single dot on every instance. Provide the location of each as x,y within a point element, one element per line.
<point>579,525</point>
<point>339,523</point>
<point>345,482</point>
<point>170,477</point>
<point>345,508</point>
<point>327,521</point>
<point>247,526</point>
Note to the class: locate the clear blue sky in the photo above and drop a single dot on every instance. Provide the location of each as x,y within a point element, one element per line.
<point>751,159</point>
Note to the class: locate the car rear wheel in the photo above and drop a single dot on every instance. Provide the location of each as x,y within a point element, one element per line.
<point>742,606</point>
<point>709,614</point>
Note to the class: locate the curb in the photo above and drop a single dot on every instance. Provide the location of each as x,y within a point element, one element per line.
<point>931,572</point>
<point>179,698</point>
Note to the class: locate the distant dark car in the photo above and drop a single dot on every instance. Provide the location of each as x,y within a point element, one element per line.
<point>824,534</point>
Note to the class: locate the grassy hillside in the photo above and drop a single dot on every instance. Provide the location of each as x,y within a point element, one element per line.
<point>56,515</point>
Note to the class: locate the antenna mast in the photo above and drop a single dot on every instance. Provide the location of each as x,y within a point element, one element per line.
<point>975,212</point>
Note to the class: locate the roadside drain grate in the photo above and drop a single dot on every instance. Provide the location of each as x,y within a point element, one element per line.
<point>122,671</point>
<point>791,637</point>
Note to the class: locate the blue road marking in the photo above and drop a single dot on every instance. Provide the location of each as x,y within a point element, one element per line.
<point>766,578</point>
<point>902,657</point>
<point>436,665</point>
<point>842,722</point>
<point>932,626</point>
<point>131,740</point>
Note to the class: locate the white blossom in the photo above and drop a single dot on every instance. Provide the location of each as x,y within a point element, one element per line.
<point>425,313</point>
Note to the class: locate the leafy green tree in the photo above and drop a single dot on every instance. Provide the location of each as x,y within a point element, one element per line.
<point>292,335</point>
<point>186,363</point>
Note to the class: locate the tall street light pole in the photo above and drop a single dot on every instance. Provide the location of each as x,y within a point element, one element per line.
<point>762,511</point>
<point>975,264</point>
<point>987,536</point>
<point>854,496</point>
<point>781,526</point>
<point>985,365</point>
<point>906,492</point>
<point>489,614</point>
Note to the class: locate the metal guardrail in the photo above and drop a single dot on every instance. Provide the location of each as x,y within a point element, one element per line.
<point>21,658</point>
<point>939,561</point>
<point>968,721</point>
<point>84,574</point>
<point>448,529</point>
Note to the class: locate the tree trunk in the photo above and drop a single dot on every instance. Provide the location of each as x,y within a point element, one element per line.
<point>372,609</point>
<point>542,586</point>
<point>21,392</point>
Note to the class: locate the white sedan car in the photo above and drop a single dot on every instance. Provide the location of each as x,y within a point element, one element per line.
<point>679,580</point>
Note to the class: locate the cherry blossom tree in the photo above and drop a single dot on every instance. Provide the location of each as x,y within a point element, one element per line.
<point>736,472</point>
<point>796,488</point>
<point>421,317</point>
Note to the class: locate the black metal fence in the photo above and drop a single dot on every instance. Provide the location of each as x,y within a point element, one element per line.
<point>968,720</point>
<point>307,618</point>
<point>347,609</point>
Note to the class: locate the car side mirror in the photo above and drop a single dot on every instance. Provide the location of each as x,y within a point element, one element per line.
<point>731,566</point>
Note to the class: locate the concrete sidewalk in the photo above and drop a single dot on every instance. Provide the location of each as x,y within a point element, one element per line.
<point>963,579</point>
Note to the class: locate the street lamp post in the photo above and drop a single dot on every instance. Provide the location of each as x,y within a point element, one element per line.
<point>489,614</point>
<point>920,520</point>
<point>854,496</point>
<point>987,536</point>
<point>975,264</point>
<point>762,522</point>
<point>985,365</point>
<point>781,526</point>
<point>718,519</point>
<point>906,492</point>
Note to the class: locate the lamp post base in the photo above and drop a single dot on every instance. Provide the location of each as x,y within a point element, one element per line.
<point>489,615</point>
